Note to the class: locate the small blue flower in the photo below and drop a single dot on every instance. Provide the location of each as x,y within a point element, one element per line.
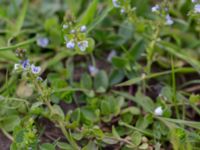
<point>35,70</point>
<point>194,1</point>
<point>66,38</point>
<point>16,66</point>
<point>73,31</point>
<point>116,3</point>
<point>122,11</point>
<point>155,8</point>
<point>39,79</point>
<point>70,44</point>
<point>111,55</point>
<point>42,42</point>
<point>93,70</point>
<point>83,28</point>
<point>65,26</point>
<point>25,64</point>
<point>83,45</point>
<point>158,111</point>
<point>197,8</point>
<point>169,20</point>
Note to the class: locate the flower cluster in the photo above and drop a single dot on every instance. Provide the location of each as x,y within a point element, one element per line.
<point>75,37</point>
<point>194,1</point>
<point>25,65</point>
<point>196,6</point>
<point>157,9</point>
<point>121,4</point>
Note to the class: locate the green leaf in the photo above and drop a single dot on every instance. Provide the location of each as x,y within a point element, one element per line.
<point>127,118</point>
<point>193,124</point>
<point>10,122</point>
<point>194,99</point>
<point>110,141</point>
<point>91,45</point>
<point>154,75</point>
<point>64,146</point>
<point>136,138</point>
<point>90,146</point>
<point>144,146</point>
<point>74,6</point>
<point>101,81</point>
<point>21,17</point>
<point>17,46</point>
<point>116,104</point>
<point>115,133</point>
<point>7,55</point>
<point>136,50</point>
<point>116,77</point>
<point>166,92</point>
<point>47,146</point>
<point>89,14</point>
<point>144,122</point>
<point>105,108</point>
<point>76,115</point>
<point>133,110</point>
<point>125,32</point>
<point>57,112</point>
<point>119,62</point>
<point>77,136</point>
<point>145,102</point>
<point>178,52</point>
<point>89,115</point>
<point>86,81</point>
<point>98,132</point>
<point>20,136</point>
<point>100,18</point>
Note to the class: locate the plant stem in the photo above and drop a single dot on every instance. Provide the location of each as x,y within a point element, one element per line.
<point>7,135</point>
<point>137,129</point>
<point>67,135</point>
<point>60,123</point>
<point>150,49</point>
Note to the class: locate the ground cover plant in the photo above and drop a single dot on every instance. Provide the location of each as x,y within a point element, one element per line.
<point>99,75</point>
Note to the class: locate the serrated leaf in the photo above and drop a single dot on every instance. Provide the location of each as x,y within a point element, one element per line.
<point>136,138</point>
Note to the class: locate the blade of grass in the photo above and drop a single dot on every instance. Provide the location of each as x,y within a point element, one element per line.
<point>174,50</point>
<point>192,124</point>
<point>174,88</point>
<point>8,55</point>
<point>136,129</point>
<point>154,75</point>
<point>18,45</point>
<point>100,18</point>
<point>89,14</point>
<point>21,17</point>
<point>142,102</point>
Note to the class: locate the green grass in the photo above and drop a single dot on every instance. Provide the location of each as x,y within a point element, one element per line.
<point>80,99</point>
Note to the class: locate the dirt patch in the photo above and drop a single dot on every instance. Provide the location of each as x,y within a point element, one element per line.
<point>4,142</point>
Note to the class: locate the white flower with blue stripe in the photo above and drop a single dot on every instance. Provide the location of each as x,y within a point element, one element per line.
<point>35,69</point>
